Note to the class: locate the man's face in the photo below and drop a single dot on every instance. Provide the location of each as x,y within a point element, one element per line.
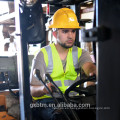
<point>66,37</point>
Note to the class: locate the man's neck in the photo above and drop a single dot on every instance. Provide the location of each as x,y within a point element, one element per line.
<point>61,51</point>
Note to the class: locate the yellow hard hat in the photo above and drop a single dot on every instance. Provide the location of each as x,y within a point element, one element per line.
<point>64,18</point>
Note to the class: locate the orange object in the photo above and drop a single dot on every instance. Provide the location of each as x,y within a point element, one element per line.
<point>64,18</point>
<point>3,114</point>
<point>3,101</point>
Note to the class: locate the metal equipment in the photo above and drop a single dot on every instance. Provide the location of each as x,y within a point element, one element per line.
<point>88,92</point>
<point>107,58</point>
<point>9,73</point>
<point>56,89</point>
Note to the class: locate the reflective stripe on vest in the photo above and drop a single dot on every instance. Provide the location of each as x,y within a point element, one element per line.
<point>75,56</point>
<point>50,59</point>
<point>68,82</point>
<point>54,66</point>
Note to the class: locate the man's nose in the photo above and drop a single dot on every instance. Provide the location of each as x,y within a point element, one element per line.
<point>70,34</point>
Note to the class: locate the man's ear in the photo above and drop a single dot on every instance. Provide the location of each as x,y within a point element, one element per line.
<point>55,34</point>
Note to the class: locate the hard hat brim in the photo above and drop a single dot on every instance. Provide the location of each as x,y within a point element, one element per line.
<point>76,27</point>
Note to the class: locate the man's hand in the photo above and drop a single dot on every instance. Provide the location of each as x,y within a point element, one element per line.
<point>90,70</point>
<point>92,73</point>
<point>38,91</point>
<point>50,86</point>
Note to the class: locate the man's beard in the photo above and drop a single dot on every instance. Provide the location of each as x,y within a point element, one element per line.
<point>65,46</point>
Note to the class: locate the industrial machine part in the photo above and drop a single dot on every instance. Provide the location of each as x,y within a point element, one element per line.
<point>8,66</point>
<point>8,72</point>
<point>49,79</point>
<point>85,94</point>
<point>33,22</point>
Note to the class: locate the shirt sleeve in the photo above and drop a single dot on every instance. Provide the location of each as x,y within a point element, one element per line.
<point>38,63</point>
<point>84,58</point>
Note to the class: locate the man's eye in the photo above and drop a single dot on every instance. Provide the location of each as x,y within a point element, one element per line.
<point>65,31</point>
<point>73,31</point>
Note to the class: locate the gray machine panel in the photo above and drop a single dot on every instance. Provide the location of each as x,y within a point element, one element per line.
<point>8,65</point>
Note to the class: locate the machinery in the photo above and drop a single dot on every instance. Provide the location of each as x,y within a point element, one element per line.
<point>8,70</point>
<point>9,73</point>
<point>107,51</point>
<point>86,95</point>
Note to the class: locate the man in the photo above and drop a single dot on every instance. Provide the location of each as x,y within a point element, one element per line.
<point>60,60</point>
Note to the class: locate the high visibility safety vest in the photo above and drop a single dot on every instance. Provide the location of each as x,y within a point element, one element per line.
<point>55,68</point>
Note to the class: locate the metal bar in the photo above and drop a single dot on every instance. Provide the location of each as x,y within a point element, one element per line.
<point>23,67</point>
<point>26,83</point>
<point>19,60</point>
<point>108,61</point>
<point>77,32</point>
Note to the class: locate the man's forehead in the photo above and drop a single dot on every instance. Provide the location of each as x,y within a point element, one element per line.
<point>67,28</point>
